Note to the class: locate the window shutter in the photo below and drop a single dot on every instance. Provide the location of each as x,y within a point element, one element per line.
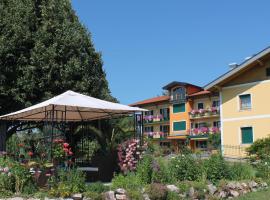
<point>247,135</point>
<point>179,108</point>
<point>179,126</point>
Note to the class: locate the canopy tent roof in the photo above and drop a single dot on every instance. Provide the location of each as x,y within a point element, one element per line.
<point>71,106</point>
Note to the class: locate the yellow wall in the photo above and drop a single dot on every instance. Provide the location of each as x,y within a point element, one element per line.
<point>257,117</point>
<point>207,101</point>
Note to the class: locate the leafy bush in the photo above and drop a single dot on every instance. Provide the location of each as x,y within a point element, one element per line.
<point>145,170</point>
<point>216,168</point>
<point>185,167</point>
<point>67,182</point>
<point>263,169</point>
<point>157,191</point>
<point>93,195</point>
<point>97,187</point>
<point>135,195</point>
<point>260,149</point>
<point>128,182</point>
<point>161,173</point>
<point>241,171</point>
<point>172,196</point>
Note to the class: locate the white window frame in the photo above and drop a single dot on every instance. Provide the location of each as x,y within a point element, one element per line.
<point>239,102</point>
<point>240,135</point>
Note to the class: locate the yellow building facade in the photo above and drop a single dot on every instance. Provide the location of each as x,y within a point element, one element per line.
<point>245,109</point>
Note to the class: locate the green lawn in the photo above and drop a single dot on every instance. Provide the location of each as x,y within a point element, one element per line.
<point>261,195</point>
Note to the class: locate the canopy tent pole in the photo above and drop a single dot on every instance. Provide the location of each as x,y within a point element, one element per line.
<point>3,135</point>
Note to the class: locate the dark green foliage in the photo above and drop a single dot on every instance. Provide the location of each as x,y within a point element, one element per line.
<point>216,168</point>
<point>97,187</point>
<point>135,195</point>
<point>94,195</point>
<point>260,149</point>
<point>44,51</point>
<point>185,167</point>
<point>157,191</point>
<point>241,171</point>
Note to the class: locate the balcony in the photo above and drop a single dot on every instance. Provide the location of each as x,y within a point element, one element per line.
<point>204,113</point>
<point>155,119</point>
<point>156,135</point>
<point>203,131</point>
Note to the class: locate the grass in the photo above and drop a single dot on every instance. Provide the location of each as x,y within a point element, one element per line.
<point>260,195</point>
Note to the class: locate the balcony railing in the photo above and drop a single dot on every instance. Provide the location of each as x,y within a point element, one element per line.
<point>155,119</point>
<point>204,113</point>
<point>203,131</point>
<point>156,135</point>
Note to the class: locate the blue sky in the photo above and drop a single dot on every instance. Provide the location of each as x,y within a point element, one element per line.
<point>146,44</point>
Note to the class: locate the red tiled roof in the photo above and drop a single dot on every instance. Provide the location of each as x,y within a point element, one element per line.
<point>204,92</point>
<point>152,100</point>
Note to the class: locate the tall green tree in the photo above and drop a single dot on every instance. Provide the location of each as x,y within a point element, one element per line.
<point>44,51</point>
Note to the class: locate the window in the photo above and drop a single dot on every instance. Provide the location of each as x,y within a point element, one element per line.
<point>164,129</point>
<point>247,135</point>
<point>201,144</point>
<point>181,107</point>
<point>165,112</point>
<point>179,126</point>
<point>216,124</point>
<point>268,71</point>
<point>179,93</point>
<point>148,129</point>
<point>148,113</point>
<point>200,106</point>
<point>200,125</point>
<point>216,103</point>
<point>245,101</point>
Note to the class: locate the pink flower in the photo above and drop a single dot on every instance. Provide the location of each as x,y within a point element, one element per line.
<point>30,153</point>
<point>66,145</point>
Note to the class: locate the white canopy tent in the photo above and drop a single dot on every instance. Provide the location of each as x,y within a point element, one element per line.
<point>71,106</point>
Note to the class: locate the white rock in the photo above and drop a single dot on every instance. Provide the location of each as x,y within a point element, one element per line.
<point>252,184</point>
<point>234,193</point>
<point>120,191</point>
<point>173,188</point>
<point>109,195</point>
<point>121,197</point>
<point>77,196</point>
<point>212,189</point>
<point>146,197</point>
<point>191,192</point>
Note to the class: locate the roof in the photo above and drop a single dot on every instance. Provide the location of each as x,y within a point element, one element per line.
<point>152,100</point>
<point>71,106</point>
<point>237,69</point>
<point>203,92</point>
<point>175,83</point>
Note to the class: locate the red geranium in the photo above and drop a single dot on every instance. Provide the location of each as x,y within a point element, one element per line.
<point>30,153</point>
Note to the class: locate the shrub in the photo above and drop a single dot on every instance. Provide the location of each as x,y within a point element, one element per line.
<point>135,195</point>
<point>172,196</point>
<point>157,191</point>
<point>216,168</point>
<point>144,169</point>
<point>129,154</point>
<point>97,187</point>
<point>260,149</point>
<point>94,195</point>
<point>130,181</point>
<point>263,169</point>
<point>67,182</point>
<point>161,172</point>
<point>185,167</point>
<point>241,171</point>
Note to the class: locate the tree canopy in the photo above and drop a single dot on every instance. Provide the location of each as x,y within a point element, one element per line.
<point>44,51</point>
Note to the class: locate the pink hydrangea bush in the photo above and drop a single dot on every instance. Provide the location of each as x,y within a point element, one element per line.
<point>129,154</point>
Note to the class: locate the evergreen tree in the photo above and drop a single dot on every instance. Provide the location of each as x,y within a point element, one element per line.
<point>44,51</point>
